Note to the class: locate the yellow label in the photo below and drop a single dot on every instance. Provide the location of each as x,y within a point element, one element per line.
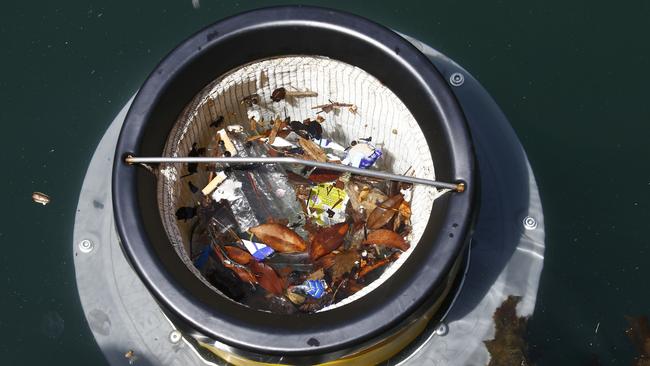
<point>324,197</point>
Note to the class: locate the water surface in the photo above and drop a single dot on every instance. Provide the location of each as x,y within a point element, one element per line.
<point>572,77</point>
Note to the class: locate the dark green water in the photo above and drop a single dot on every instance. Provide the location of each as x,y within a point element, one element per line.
<point>572,78</point>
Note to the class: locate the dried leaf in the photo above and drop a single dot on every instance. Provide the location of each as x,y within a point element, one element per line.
<point>253,138</point>
<point>372,198</point>
<point>397,222</point>
<point>508,346</point>
<point>387,238</point>
<point>242,272</point>
<point>324,175</point>
<point>278,94</point>
<point>238,255</point>
<point>279,237</point>
<point>312,151</point>
<point>371,267</point>
<point>405,210</point>
<point>344,263</point>
<point>274,131</point>
<point>326,261</point>
<point>381,215</point>
<point>353,191</point>
<point>327,239</point>
<point>267,278</point>
<point>317,275</point>
<point>297,179</point>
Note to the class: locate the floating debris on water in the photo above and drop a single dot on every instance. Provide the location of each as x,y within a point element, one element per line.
<point>508,348</point>
<point>40,197</point>
<point>639,334</point>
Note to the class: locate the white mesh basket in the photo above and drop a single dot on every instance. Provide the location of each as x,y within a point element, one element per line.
<point>380,114</point>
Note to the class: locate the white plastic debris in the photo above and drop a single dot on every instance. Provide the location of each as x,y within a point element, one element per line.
<point>254,113</point>
<point>329,144</point>
<point>235,128</point>
<point>279,142</point>
<point>228,145</point>
<point>258,250</point>
<point>228,190</point>
<point>214,183</point>
<point>362,155</point>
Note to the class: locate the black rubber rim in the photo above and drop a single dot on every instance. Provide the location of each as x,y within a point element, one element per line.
<point>287,31</point>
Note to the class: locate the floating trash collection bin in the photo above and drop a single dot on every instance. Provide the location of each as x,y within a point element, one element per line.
<point>266,235</point>
<point>289,263</point>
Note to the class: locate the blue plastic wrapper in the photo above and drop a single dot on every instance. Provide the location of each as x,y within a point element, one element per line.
<point>367,162</point>
<point>314,288</point>
<point>259,251</point>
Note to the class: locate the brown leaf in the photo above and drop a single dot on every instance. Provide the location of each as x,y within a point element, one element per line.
<point>253,124</point>
<point>312,151</point>
<point>385,211</point>
<point>397,222</point>
<point>253,138</point>
<point>344,263</point>
<point>371,267</point>
<point>280,238</point>
<point>267,278</point>
<point>388,238</point>
<point>405,210</point>
<point>326,261</point>
<point>238,255</point>
<point>297,179</point>
<point>324,175</point>
<point>316,275</point>
<point>242,272</point>
<point>508,346</point>
<point>274,131</point>
<point>372,198</point>
<point>278,94</point>
<point>327,239</point>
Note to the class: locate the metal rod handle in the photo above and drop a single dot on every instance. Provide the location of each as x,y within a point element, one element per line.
<point>458,187</point>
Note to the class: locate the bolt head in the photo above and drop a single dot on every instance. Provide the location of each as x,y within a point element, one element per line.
<point>86,246</point>
<point>175,336</point>
<point>456,79</point>
<point>441,330</point>
<point>530,223</point>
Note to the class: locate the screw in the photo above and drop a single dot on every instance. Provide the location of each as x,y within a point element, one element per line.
<point>175,336</point>
<point>530,223</point>
<point>86,246</point>
<point>442,330</point>
<point>456,79</point>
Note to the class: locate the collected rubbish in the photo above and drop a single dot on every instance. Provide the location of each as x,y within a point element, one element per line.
<point>292,238</point>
